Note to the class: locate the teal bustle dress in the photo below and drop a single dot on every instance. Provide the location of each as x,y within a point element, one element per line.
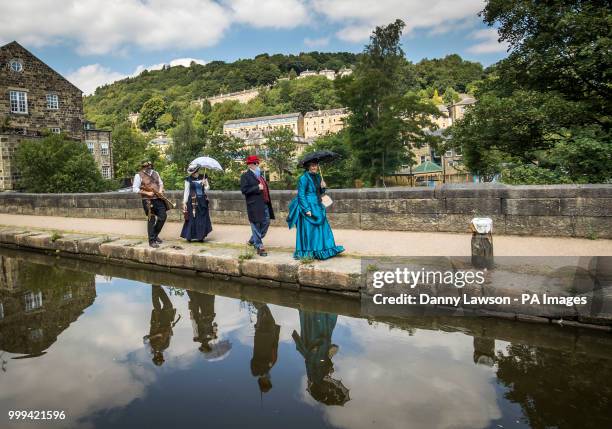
<point>314,237</point>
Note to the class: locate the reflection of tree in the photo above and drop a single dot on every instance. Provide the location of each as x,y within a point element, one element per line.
<point>557,389</point>
<point>162,322</point>
<point>265,348</point>
<point>315,343</point>
<point>39,302</point>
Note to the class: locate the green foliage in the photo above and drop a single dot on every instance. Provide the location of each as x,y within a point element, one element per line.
<point>230,153</point>
<point>172,177</point>
<point>58,164</point>
<point>384,121</point>
<point>450,71</point>
<point>531,175</point>
<point>188,142</point>
<point>281,148</point>
<point>543,114</point>
<point>150,112</point>
<point>129,147</point>
<point>342,172</point>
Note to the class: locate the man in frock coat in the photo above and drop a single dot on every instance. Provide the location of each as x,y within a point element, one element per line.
<point>259,204</point>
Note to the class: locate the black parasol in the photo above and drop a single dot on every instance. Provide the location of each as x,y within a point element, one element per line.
<point>319,156</point>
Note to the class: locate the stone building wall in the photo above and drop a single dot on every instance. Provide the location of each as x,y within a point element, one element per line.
<point>321,122</point>
<point>38,80</point>
<point>99,145</point>
<point>552,210</point>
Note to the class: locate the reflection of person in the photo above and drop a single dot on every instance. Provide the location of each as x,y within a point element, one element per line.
<point>145,183</point>
<point>315,344</point>
<point>195,206</point>
<point>162,322</point>
<point>259,205</point>
<point>314,237</point>
<point>265,348</point>
<point>484,351</point>
<point>202,311</point>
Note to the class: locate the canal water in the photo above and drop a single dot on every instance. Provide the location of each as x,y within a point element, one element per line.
<point>124,347</point>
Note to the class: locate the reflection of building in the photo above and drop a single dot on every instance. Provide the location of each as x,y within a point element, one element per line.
<point>38,303</point>
<point>320,122</point>
<point>99,145</point>
<point>34,100</point>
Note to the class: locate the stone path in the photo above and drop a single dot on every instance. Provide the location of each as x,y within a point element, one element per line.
<point>356,242</point>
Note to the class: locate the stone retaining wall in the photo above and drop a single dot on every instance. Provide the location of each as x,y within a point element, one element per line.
<point>345,276</point>
<point>555,210</point>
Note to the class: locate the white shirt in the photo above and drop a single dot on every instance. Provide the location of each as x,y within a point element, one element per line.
<point>138,181</point>
<point>186,192</point>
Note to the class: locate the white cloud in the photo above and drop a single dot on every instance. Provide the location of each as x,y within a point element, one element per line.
<point>488,44</point>
<point>269,13</point>
<point>359,17</point>
<point>316,43</point>
<point>102,27</point>
<point>89,77</point>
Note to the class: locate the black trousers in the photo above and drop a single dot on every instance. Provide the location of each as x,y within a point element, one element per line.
<point>156,222</point>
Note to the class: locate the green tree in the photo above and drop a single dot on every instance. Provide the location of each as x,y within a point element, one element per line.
<point>129,147</point>
<point>280,147</point>
<point>303,101</point>
<point>187,144</point>
<point>230,153</point>
<point>342,172</point>
<point>384,121</point>
<point>150,112</point>
<point>57,164</point>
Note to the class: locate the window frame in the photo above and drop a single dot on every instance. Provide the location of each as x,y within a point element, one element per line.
<point>104,148</point>
<point>16,61</point>
<point>49,104</point>
<point>18,101</point>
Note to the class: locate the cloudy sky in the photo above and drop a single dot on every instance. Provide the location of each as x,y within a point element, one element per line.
<point>93,42</point>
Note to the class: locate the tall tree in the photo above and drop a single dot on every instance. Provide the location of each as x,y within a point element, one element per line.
<point>384,121</point>
<point>187,143</point>
<point>129,148</point>
<point>150,112</point>
<point>280,146</point>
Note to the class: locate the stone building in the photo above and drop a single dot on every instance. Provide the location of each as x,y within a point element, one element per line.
<point>321,122</point>
<point>243,127</point>
<point>240,96</point>
<point>34,101</point>
<point>457,110</point>
<point>161,142</point>
<point>99,145</point>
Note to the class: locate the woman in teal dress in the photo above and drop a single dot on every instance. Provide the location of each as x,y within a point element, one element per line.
<point>314,237</point>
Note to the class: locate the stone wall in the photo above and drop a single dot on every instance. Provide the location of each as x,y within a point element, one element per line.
<point>553,210</point>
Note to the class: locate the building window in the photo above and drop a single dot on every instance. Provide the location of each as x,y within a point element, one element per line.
<point>19,101</point>
<point>423,158</point>
<point>106,172</point>
<point>104,148</point>
<point>90,147</point>
<point>33,300</point>
<point>448,153</point>
<point>52,101</point>
<point>56,130</point>
<point>16,65</point>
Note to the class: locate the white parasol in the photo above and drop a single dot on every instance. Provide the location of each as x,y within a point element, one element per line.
<point>207,162</point>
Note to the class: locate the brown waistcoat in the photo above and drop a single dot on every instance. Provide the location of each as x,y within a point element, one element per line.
<point>150,182</point>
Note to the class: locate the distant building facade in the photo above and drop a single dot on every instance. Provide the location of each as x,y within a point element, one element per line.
<point>243,127</point>
<point>321,122</point>
<point>457,110</point>
<point>161,142</point>
<point>34,100</point>
<point>99,145</point>
<point>329,74</point>
<point>239,96</point>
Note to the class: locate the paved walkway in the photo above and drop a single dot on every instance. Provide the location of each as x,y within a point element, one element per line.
<point>356,242</point>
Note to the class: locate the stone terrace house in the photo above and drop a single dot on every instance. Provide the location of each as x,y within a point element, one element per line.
<point>34,100</point>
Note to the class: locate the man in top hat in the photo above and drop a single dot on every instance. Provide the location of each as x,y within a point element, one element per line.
<point>259,205</point>
<point>145,182</point>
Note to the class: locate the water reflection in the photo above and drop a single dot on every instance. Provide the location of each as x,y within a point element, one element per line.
<point>315,344</point>
<point>313,368</point>
<point>265,347</point>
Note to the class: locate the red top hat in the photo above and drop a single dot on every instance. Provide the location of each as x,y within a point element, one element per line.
<point>252,159</point>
